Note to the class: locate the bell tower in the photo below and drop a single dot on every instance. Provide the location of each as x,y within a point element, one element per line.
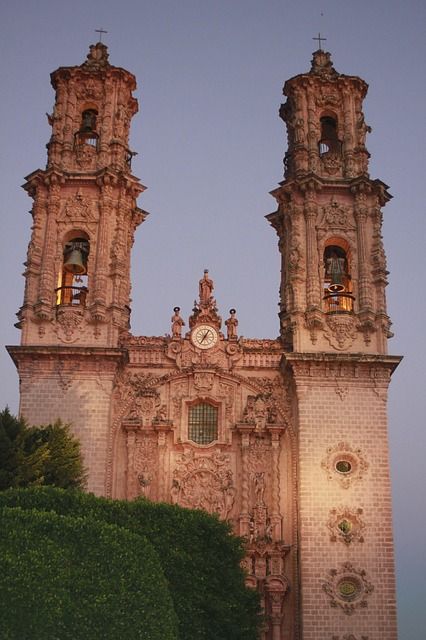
<point>85,214</point>
<point>333,274</point>
<point>77,273</point>
<point>334,330</point>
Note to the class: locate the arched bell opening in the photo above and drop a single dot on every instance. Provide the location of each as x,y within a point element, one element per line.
<point>338,296</point>
<point>87,133</point>
<point>329,141</point>
<point>72,279</point>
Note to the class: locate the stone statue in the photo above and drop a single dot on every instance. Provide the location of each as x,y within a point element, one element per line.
<point>231,325</point>
<point>206,287</point>
<point>177,323</point>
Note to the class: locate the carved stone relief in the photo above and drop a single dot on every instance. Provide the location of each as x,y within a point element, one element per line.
<point>348,588</point>
<point>341,330</point>
<point>68,324</point>
<point>204,482</point>
<point>145,464</point>
<point>336,216</point>
<point>78,208</point>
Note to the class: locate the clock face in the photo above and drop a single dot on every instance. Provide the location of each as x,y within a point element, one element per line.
<point>204,336</point>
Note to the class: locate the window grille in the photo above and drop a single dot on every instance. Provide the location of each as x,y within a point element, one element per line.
<point>202,423</point>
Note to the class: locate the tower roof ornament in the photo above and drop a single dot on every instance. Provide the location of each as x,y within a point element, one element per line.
<point>322,64</point>
<point>97,58</point>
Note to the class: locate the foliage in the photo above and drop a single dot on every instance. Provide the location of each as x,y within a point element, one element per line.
<point>78,579</point>
<point>199,556</point>
<point>44,455</point>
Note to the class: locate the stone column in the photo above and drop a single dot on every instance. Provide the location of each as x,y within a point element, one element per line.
<point>276,521</point>
<point>312,285</point>
<point>131,427</point>
<point>245,430</point>
<point>361,214</point>
<point>102,258</point>
<point>47,284</point>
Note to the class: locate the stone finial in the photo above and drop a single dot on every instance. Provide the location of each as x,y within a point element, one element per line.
<point>322,64</point>
<point>97,58</point>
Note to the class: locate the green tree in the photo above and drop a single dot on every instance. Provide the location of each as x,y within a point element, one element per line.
<point>42,455</point>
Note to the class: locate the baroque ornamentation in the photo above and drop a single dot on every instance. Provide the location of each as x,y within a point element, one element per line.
<point>335,215</point>
<point>345,464</point>
<point>332,162</point>
<point>145,459</point>
<point>341,330</point>
<point>78,208</point>
<point>345,524</point>
<point>203,381</point>
<point>68,321</point>
<point>347,588</point>
<point>204,482</point>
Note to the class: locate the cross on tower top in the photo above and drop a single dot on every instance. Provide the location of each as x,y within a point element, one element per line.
<point>318,37</point>
<point>100,31</point>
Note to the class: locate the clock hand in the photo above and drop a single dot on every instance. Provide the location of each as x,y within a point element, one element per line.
<point>204,336</point>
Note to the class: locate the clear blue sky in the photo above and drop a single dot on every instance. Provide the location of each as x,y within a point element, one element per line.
<point>210,146</point>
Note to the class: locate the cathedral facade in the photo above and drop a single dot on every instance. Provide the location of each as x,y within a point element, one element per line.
<point>285,438</point>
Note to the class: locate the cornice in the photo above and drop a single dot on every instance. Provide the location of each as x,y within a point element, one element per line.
<point>50,352</point>
<point>305,366</point>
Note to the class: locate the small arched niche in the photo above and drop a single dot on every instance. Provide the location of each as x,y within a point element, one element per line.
<point>72,277</point>
<point>338,296</point>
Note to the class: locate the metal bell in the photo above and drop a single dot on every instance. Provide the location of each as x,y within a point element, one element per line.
<point>74,263</point>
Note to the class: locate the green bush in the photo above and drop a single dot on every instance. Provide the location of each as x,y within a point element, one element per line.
<point>71,578</point>
<point>34,456</point>
<point>199,555</point>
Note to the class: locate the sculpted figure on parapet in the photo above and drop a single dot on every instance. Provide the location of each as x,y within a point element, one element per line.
<point>206,287</point>
<point>177,323</point>
<point>231,325</point>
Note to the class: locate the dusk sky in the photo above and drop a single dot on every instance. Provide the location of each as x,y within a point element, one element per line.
<point>210,147</point>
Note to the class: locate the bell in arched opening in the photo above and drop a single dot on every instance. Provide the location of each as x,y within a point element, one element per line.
<point>75,256</point>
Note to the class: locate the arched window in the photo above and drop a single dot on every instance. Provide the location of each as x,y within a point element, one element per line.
<point>72,280</point>
<point>203,423</point>
<point>329,142</point>
<point>337,280</point>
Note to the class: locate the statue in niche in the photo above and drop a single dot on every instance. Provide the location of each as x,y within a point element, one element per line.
<point>248,415</point>
<point>177,323</point>
<point>259,487</point>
